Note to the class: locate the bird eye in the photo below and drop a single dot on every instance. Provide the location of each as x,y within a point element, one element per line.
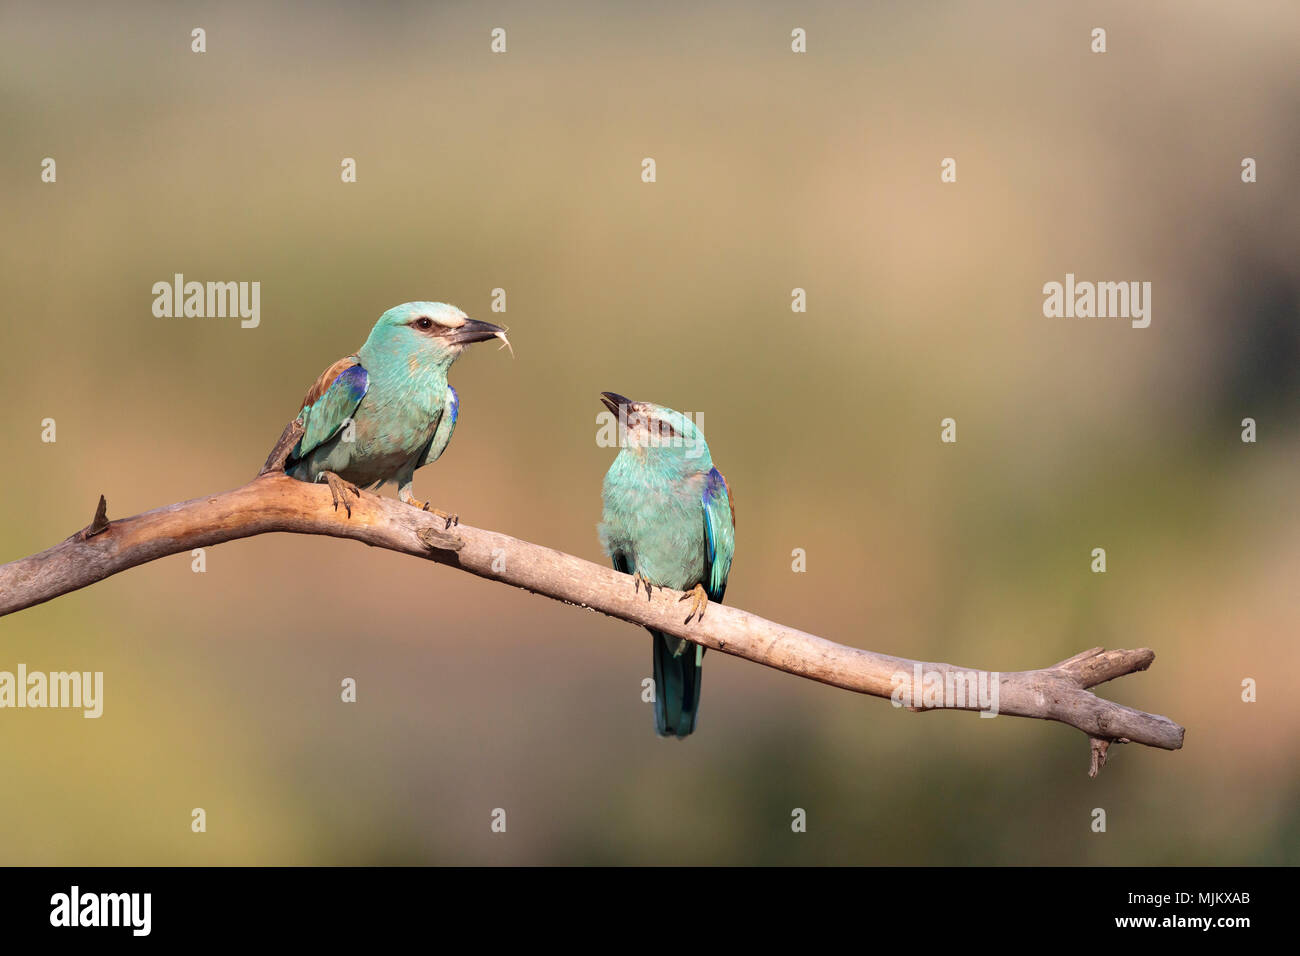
<point>424,323</point>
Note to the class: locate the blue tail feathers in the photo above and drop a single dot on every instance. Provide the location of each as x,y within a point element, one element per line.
<point>677,685</point>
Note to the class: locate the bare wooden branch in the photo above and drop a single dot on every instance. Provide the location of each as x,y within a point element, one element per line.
<point>274,502</point>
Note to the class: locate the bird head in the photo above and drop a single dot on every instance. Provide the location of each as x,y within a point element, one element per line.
<point>431,331</point>
<point>655,432</point>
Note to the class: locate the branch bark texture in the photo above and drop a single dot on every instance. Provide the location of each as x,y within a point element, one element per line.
<point>274,502</point>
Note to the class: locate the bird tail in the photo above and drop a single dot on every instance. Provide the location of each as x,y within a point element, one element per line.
<point>281,456</point>
<point>679,671</point>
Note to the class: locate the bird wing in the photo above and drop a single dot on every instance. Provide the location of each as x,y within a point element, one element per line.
<point>331,402</point>
<point>442,433</point>
<point>719,533</point>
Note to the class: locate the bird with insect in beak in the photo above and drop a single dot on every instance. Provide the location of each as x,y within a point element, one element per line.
<point>379,414</point>
<point>670,522</point>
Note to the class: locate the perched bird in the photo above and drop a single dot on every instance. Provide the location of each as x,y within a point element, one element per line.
<point>377,415</point>
<point>669,521</point>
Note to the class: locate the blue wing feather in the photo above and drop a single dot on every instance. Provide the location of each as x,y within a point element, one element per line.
<point>324,418</point>
<point>719,533</point>
<point>446,425</point>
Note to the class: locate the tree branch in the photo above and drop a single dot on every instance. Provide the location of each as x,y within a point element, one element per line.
<point>274,502</point>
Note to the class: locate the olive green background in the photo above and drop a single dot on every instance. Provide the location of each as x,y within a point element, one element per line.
<point>775,171</point>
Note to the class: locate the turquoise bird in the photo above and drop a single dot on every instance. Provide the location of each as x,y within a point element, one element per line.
<point>669,521</point>
<point>379,414</point>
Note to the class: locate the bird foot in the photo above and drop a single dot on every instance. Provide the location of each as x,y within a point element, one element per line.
<point>414,502</point>
<point>637,582</point>
<point>448,519</point>
<point>339,489</point>
<point>699,599</point>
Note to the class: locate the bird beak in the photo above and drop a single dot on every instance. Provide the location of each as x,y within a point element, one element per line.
<point>475,331</point>
<point>613,401</point>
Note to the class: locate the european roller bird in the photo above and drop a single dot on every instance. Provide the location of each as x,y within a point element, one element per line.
<point>379,414</point>
<point>668,521</point>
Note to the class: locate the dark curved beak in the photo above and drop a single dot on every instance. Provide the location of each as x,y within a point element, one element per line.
<point>475,331</point>
<point>613,401</point>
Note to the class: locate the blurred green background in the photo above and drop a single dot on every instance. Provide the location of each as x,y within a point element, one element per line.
<point>775,171</point>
